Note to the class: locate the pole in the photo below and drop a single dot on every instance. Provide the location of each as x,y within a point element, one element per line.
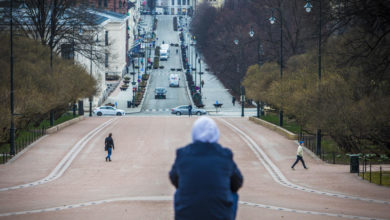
<point>90,75</point>
<point>12,127</point>
<point>281,64</point>
<point>51,52</point>
<point>242,100</point>
<point>196,57</point>
<point>318,145</point>
<point>200,76</point>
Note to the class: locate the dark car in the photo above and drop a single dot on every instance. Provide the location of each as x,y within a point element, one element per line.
<point>160,93</point>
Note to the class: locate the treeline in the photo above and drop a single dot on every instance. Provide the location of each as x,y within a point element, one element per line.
<point>352,102</point>
<point>38,88</point>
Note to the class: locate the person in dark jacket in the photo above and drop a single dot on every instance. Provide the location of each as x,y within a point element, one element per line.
<point>189,110</point>
<point>109,146</point>
<point>205,176</point>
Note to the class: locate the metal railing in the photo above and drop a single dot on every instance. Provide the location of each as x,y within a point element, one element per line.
<point>22,143</point>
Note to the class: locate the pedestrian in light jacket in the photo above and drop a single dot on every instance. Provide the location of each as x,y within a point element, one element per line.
<point>109,146</point>
<point>205,176</point>
<point>299,155</point>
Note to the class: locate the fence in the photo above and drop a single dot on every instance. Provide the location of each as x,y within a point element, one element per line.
<point>333,157</point>
<point>21,143</point>
<point>376,172</point>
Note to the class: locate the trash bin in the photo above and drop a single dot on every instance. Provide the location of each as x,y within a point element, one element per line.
<point>81,107</point>
<point>354,163</point>
<point>128,104</point>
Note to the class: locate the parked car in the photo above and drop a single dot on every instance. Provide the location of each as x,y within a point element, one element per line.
<point>160,92</point>
<point>183,110</point>
<point>108,110</point>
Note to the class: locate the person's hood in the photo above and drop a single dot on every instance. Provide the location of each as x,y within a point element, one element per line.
<point>205,130</point>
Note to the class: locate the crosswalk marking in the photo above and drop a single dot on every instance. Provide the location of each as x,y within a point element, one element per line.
<point>158,110</point>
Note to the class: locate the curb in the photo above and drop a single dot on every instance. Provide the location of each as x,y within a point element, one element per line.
<point>63,125</point>
<point>279,130</point>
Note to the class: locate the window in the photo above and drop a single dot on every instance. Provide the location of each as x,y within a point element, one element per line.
<point>106,60</point>
<point>100,3</point>
<point>67,51</point>
<point>179,2</point>
<point>120,4</point>
<point>173,2</point>
<point>106,38</point>
<point>105,3</point>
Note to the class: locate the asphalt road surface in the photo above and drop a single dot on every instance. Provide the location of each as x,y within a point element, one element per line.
<point>160,77</point>
<point>65,176</point>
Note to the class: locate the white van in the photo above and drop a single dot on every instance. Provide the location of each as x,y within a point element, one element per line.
<point>164,52</point>
<point>174,80</point>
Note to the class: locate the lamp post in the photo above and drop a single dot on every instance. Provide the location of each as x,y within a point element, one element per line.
<point>12,127</point>
<point>242,89</point>
<point>200,75</point>
<point>308,8</point>
<point>90,75</point>
<point>272,20</point>
<point>260,111</point>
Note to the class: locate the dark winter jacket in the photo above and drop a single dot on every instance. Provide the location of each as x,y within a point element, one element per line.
<point>206,177</point>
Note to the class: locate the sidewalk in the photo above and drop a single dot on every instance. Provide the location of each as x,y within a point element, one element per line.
<point>121,98</point>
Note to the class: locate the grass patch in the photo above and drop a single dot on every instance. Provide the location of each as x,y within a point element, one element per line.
<point>289,125</point>
<point>375,177</point>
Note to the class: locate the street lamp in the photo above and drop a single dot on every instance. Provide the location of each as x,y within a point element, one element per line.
<point>260,111</point>
<point>308,8</point>
<point>242,89</point>
<point>272,20</point>
<point>12,127</point>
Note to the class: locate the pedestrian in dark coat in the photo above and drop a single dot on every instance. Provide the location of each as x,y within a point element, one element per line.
<point>205,176</point>
<point>189,110</point>
<point>109,146</point>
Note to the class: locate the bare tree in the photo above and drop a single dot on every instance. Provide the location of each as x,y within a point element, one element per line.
<point>63,25</point>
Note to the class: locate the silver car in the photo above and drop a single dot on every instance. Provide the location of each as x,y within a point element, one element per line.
<point>183,110</point>
<point>108,110</point>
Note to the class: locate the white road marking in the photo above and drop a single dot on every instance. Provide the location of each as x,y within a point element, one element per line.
<point>277,175</point>
<point>66,161</point>
<point>169,199</point>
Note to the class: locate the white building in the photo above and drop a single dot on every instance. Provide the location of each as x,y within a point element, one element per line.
<point>113,36</point>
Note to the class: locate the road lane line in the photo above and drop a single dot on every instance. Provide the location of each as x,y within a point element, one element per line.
<point>169,199</point>
<point>65,162</point>
<point>277,175</point>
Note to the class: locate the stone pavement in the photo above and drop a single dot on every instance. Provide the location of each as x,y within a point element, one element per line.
<point>65,176</point>
<point>122,97</point>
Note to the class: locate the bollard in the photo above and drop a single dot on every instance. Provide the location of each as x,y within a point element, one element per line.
<point>334,157</point>
<point>370,171</point>
<point>380,175</point>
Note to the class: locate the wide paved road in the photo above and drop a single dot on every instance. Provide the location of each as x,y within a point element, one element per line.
<point>159,77</point>
<point>65,176</point>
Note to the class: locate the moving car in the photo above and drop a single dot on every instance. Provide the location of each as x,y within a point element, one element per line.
<point>183,110</point>
<point>174,80</point>
<point>160,92</point>
<point>164,52</point>
<point>108,110</point>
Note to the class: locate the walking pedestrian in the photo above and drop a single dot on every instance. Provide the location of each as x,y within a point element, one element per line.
<point>202,83</point>
<point>109,146</point>
<point>234,100</point>
<point>205,176</point>
<point>299,155</point>
<point>189,110</point>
